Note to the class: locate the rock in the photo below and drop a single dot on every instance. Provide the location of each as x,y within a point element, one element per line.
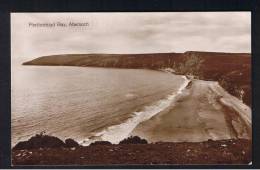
<point>40,141</point>
<point>71,143</point>
<point>133,140</point>
<point>100,143</point>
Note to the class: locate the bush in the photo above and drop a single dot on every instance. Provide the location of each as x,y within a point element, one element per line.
<point>40,141</point>
<point>133,140</point>
<point>100,143</point>
<point>71,143</point>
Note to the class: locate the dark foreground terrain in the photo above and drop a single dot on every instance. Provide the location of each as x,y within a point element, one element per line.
<point>130,151</point>
<point>231,70</point>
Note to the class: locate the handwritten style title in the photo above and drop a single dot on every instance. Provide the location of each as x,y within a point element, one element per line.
<point>58,24</point>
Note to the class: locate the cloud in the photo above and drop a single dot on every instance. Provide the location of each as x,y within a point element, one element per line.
<point>131,33</point>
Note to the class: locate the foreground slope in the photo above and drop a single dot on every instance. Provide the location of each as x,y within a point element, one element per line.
<point>233,151</point>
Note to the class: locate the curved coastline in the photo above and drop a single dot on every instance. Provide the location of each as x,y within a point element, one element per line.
<point>116,133</point>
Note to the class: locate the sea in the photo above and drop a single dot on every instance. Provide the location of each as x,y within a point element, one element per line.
<point>86,103</point>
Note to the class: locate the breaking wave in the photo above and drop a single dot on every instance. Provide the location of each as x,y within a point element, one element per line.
<point>116,133</point>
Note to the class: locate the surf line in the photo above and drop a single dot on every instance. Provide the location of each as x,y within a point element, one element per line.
<point>116,133</point>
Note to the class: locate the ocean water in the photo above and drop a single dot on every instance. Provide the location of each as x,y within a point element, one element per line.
<point>85,103</point>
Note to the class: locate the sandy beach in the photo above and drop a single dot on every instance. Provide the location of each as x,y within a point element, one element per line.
<point>199,114</point>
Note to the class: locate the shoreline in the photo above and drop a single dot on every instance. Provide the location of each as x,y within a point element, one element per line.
<point>187,82</point>
<point>203,116</point>
<point>219,81</point>
<point>139,117</point>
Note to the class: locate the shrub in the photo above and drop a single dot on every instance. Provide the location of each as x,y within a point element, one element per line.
<point>100,143</point>
<point>71,143</point>
<point>133,140</point>
<point>40,141</point>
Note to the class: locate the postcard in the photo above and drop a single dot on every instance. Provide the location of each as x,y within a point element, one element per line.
<point>131,88</point>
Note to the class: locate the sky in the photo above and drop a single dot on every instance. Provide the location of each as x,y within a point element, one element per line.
<point>139,32</point>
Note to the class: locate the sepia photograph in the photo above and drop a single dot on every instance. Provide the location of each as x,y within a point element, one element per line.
<point>131,88</point>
